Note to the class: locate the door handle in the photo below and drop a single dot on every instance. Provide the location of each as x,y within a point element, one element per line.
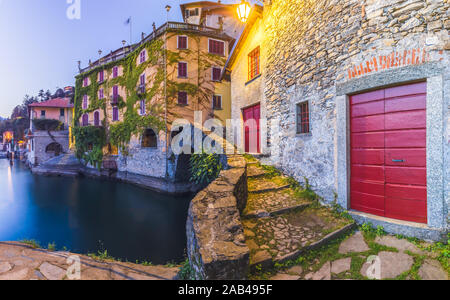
<point>398,160</point>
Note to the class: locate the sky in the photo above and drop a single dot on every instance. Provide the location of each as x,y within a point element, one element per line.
<point>40,44</point>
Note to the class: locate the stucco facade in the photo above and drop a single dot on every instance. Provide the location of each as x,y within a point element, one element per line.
<point>198,83</point>
<point>324,51</point>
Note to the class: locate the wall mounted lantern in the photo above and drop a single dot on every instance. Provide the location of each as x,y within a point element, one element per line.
<point>243,11</point>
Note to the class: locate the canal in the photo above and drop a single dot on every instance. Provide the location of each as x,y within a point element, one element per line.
<point>88,215</point>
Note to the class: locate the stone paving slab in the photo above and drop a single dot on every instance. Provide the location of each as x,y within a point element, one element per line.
<point>432,270</point>
<point>275,202</point>
<point>254,171</point>
<point>355,243</point>
<point>401,245</point>
<point>287,234</point>
<point>21,262</point>
<point>392,265</point>
<point>263,185</point>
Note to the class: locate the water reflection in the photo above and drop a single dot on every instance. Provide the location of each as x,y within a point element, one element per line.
<point>87,215</point>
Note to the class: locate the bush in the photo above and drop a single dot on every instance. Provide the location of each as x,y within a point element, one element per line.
<point>205,168</point>
<point>48,125</point>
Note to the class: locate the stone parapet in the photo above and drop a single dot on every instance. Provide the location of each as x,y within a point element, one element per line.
<point>215,235</point>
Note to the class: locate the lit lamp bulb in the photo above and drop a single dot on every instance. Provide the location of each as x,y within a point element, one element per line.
<point>243,11</point>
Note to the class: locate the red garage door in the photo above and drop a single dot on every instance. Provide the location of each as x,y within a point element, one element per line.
<point>388,153</point>
<point>252,116</point>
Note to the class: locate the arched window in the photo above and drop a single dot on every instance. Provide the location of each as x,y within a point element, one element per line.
<point>54,148</point>
<point>149,139</point>
<point>96,118</point>
<point>85,120</point>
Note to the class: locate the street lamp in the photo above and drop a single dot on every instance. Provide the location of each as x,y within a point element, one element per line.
<point>243,11</point>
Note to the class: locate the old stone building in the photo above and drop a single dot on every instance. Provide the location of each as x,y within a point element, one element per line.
<point>356,96</point>
<point>134,94</point>
<point>49,129</point>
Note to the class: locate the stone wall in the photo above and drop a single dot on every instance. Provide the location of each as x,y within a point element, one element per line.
<point>312,47</point>
<point>41,140</point>
<point>215,236</point>
<point>144,161</point>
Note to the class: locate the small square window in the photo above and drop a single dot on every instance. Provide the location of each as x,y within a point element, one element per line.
<point>61,112</point>
<point>182,98</point>
<point>217,47</point>
<point>303,125</point>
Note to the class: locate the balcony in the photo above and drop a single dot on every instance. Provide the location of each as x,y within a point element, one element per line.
<point>170,26</point>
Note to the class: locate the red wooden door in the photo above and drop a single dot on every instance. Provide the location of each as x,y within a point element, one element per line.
<point>252,116</point>
<point>388,153</point>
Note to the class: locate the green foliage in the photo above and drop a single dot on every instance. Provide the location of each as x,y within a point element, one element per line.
<point>32,243</point>
<point>120,133</point>
<point>87,137</point>
<point>102,256</point>
<point>205,168</point>
<point>51,247</point>
<point>48,125</point>
<point>186,272</point>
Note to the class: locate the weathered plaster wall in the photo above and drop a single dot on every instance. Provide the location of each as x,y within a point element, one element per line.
<point>243,92</point>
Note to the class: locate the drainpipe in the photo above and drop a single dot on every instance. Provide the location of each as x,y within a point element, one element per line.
<point>168,7</point>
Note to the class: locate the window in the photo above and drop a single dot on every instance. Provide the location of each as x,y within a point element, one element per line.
<point>101,76</point>
<point>85,121</point>
<point>101,94</point>
<point>216,47</point>
<point>303,118</point>
<point>142,84</point>
<point>182,42</point>
<point>42,114</point>
<point>149,139</point>
<point>142,107</point>
<point>61,112</point>
<point>115,114</point>
<point>85,81</point>
<point>115,98</point>
<point>96,118</point>
<point>216,72</point>
<point>142,56</point>
<point>115,72</point>
<point>254,64</point>
<point>182,70</point>
<point>85,102</point>
<point>217,102</point>
<point>192,12</point>
<point>182,98</point>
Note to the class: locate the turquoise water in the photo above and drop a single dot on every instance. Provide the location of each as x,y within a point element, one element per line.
<point>89,215</point>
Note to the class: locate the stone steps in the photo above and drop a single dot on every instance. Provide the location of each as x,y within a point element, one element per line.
<point>262,205</point>
<point>254,171</point>
<point>279,225</point>
<point>285,237</point>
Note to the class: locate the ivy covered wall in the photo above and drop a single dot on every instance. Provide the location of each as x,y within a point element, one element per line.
<point>91,142</point>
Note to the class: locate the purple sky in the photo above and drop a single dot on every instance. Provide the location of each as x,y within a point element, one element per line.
<point>41,45</point>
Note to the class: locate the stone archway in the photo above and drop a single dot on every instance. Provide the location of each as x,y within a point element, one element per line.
<point>54,148</point>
